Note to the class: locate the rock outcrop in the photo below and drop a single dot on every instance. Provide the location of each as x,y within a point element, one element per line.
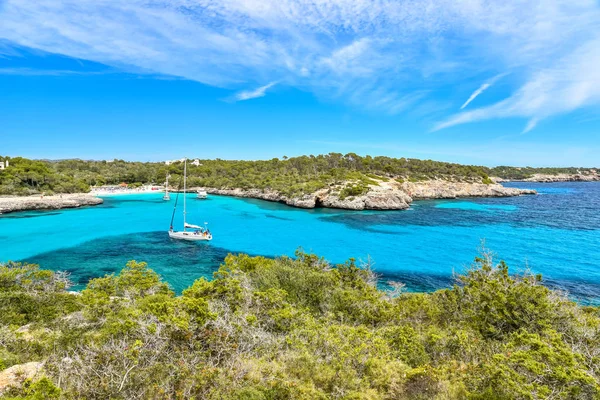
<point>584,176</point>
<point>591,177</point>
<point>17,374</point>
<point>378,198</point>
<point>437,189</point>
<point>26,203</point>
<point>305,201</point>
<point>386,195</point>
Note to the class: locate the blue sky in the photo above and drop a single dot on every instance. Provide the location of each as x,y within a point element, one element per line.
<point>469,81</point>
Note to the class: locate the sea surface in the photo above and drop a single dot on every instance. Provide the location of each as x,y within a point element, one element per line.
<point>556,233</point>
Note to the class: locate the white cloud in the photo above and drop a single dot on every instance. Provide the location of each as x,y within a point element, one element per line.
<point>574,82</point>
<point>371,54</point>
<point>253,94</point>
<point>476,93</point>
<point>481,89</point>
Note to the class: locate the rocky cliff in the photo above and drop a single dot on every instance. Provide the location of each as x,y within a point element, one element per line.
<point>14,203</point>
<point>584,176</point>
<point>378,198</point>
<point>590,177</point>
<point>386,195</point>
<point>438,189</point>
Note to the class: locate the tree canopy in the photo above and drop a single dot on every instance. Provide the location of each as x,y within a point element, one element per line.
<point>289,176</point>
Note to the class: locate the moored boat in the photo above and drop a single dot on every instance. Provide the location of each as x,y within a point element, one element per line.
<point>166,197</point>
<point>195,232</point>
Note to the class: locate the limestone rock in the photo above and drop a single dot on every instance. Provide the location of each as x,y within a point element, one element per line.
<point>26,203</point>
<point>594,176</point>
<point>17,374</point>
<point>306,201</point>
<point>437,189</point>
<point>385,195</point>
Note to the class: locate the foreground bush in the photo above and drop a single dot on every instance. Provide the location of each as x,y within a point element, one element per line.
<point>297,328</point>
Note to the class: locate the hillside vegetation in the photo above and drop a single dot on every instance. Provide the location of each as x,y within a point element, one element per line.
<point>291,176</point>
<point>297,328</point>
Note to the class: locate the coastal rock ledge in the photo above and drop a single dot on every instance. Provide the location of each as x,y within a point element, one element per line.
<point>377,198</point>
<point>27,203</point>
<point>453,190</point>
<point>386,195</point>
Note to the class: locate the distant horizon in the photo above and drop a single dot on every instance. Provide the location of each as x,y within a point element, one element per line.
<point>289,156</point>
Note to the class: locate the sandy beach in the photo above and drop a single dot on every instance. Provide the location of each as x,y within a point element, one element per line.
<point>113,191</point>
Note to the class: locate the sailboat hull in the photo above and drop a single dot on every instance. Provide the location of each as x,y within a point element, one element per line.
<point>191,236</point>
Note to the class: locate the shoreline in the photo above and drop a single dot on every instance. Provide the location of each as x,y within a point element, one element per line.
<point>386,195</point>
<point>11,204</point>
<point>109,193</point>
<point>546,178</point>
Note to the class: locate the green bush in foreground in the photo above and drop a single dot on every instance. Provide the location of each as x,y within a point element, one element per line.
<point>297,328</point>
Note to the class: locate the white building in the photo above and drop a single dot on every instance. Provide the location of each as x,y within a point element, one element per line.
<point>3,164</point>
<point>169,162</point>
<point>195,162</point>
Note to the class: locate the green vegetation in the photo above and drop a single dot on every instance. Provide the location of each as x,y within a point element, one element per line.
<point>297,328</point>
<point>352,190</point>
<point>290,176</point>
<point>25,176</point>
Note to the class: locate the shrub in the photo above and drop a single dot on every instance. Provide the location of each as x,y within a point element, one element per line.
<point>298,328</point>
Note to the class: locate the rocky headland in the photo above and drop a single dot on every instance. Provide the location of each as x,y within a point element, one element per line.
<point>385,195</point>
<point>438,189</point>
<point>589,177</point>
<point>55,202</point>
<point>583,176</point>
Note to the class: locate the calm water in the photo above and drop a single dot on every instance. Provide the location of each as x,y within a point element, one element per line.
<point>556,233</point>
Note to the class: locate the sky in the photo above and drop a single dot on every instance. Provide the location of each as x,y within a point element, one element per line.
<point>470,81</point>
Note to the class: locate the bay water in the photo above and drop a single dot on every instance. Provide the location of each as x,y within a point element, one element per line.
<point>556,233</point>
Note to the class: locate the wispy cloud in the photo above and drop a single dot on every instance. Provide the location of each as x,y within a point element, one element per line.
<point>372,55</point>
<point>481,89</point>
<point>253,94</point>
<point>573,83</point>
<point>476,93</point>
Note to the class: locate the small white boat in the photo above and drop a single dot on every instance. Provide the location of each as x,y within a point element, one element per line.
<point>166,197</point>
<point>196,233</point>
<point>202,195</point>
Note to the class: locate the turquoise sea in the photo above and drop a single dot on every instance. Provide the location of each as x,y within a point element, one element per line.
<point>556,233</point>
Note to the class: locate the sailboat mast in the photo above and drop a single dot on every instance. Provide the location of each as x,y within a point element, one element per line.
<point>184,189</point>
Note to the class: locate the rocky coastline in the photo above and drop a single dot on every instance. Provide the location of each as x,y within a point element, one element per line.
<point>437,189</point>
<point>592,176</point>
<point>543,178</point>
<point>386,195</point>
<point>27,203</point>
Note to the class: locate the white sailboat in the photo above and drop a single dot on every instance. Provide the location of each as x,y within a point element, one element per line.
<point>166,197</point>
<point>202,195</point>
<point>196,233</point>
